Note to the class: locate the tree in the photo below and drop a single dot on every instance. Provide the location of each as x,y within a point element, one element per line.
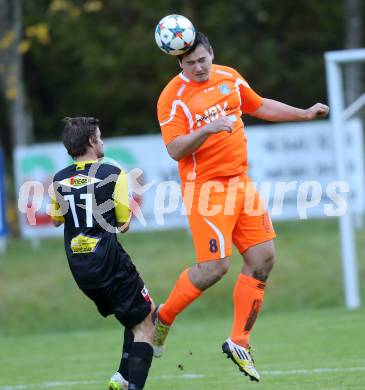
<point>11,71</point>
<point>102,59</point>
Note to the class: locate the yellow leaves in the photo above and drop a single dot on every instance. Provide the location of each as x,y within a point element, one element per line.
<point>66,6</point>
<point>93,6</point>
<point>7,40</point>
<point>11,93</point>
<point>11,90</point>
<point>73,10</point>
<point>24,46</point>
<point>38,31</point>
<point>60,5</point>
<point>8,73</point>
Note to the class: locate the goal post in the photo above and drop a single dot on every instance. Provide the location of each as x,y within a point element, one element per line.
<point>338,115</point>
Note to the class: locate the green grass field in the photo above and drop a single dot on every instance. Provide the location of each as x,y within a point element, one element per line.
<point>52,337</point>
<point>315,349</point>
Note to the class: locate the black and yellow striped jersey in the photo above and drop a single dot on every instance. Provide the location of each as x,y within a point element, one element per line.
<point>91,198</point>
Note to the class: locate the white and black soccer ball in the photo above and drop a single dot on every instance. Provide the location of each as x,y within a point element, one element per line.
<point>175,34</point>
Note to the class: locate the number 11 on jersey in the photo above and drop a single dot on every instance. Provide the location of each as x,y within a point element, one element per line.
<point>88,208</point>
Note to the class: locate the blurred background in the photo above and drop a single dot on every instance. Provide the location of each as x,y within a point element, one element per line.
<point>98,58</point>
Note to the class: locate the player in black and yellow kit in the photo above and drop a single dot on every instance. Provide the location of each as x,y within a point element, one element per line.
<point>91,200</point>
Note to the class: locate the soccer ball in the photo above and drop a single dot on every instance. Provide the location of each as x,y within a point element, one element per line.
<point>175,34</point>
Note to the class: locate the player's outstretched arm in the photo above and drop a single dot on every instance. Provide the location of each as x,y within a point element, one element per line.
<point>275,111</point>
<point>185,145</point>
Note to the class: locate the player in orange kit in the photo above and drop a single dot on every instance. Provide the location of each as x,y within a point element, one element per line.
<point>199,113</point>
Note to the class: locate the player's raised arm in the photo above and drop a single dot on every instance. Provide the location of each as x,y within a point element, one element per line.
<point>275,111</point>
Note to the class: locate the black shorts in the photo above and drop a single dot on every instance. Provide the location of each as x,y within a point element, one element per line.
<point>127,298</point>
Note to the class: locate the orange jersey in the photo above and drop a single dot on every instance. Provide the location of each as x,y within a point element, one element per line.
<point>185,106</point>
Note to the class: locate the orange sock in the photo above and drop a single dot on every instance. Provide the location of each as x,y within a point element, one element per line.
<point>248,297</point>
<point>180,297</point>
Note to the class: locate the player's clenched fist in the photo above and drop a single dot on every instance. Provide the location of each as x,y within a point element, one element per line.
<point>317,111</point>
<point>220,124</point>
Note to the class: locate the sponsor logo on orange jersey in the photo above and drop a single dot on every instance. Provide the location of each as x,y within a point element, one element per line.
<point>224,89</point>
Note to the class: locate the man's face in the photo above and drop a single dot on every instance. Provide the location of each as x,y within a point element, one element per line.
<point>196,65</point>
<point>98,144</point>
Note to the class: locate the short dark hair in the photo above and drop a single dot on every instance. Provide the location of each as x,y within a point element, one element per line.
<point>200,39</point>
<point>77,133</point>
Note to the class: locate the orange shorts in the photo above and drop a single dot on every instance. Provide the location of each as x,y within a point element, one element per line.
<point>222,211</point>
